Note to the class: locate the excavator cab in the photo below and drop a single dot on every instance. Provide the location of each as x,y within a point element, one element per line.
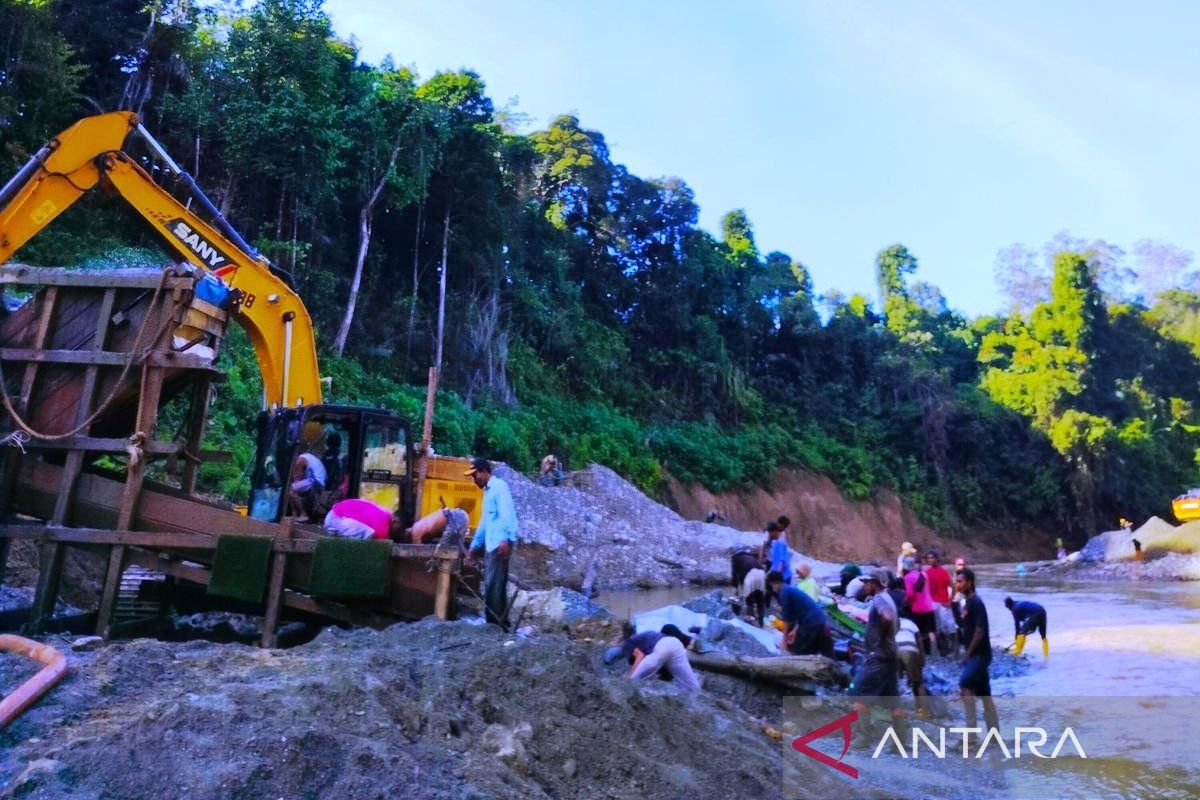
<point>311,457</point>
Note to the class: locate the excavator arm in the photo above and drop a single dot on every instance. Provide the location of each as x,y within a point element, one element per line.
<point>91,153</point>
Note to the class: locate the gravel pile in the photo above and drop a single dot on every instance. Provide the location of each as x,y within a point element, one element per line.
<point>427,710</point>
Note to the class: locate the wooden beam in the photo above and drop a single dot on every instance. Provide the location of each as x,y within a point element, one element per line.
<point>170,540</point>
<point>270,637</point>
<point>112,582</point>
<point>107,358</point>
<point>50,556</point>
<point>55,276</point>
<point>104,445</point>
<point>445,592</point>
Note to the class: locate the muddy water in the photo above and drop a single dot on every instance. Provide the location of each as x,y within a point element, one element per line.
<point>1117,639</point>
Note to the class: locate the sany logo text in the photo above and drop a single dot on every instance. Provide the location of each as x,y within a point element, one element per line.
<point>211,256</point>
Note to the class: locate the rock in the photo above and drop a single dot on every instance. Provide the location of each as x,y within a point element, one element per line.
<point>508,744</point>
<point>85,643</point>
<point>569,768</point>
<point>731,639</point>
<point>714,604</point>
<point>557,609</point>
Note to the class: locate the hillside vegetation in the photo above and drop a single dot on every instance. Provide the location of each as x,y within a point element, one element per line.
<point>586,313</point>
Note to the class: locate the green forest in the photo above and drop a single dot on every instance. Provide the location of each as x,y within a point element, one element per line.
<point>587,312</point>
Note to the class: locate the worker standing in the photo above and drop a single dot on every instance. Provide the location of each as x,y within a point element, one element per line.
<point>877,675</point>
<point>974,680</point>
<point>496,535</point>
<point>1028,616</point>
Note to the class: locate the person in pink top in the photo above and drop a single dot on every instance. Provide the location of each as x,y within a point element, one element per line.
<point>920,602</point>
<point>359,519</point>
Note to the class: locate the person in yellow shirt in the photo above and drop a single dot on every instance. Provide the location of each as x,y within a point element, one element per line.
<point>806,583</point>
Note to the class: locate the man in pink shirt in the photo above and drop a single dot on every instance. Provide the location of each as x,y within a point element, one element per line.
<point>359,519</point>
<point>920,602</point>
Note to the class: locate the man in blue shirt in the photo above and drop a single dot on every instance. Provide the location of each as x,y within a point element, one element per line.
<point>1028,616</point>
<point>496,535</point>
<point>807,628</point>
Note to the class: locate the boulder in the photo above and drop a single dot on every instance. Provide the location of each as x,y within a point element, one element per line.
<point>561,609</point>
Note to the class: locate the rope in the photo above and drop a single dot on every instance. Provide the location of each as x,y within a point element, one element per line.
<point>17,439</point>
<point>112,395</point>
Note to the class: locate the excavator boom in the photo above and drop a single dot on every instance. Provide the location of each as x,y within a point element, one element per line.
<point>91,152</point>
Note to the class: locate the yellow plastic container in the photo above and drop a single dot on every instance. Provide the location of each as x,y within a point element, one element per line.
<point>448,468</point>
<point>461,493</point>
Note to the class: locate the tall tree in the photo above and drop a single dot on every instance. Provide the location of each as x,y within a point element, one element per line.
<point>384,116</point>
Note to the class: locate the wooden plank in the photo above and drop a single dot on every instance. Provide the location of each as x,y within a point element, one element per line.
<point>274,600</point>
<point>445,588</point>
<point>112,582</point>
<point>50,566</point>
<point>50,557</point>
<point>105,445</point>
<point>55,276</point>
<point>193,541</point>
<point>108,358</point>
<point>197,421</point>
<point>39,341</point>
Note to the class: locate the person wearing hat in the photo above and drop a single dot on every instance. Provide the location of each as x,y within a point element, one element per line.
<point>906,551</point>
<point>494,539</point>
<point>878,676</point>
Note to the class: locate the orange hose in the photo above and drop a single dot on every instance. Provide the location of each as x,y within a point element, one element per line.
<point>28,692</point>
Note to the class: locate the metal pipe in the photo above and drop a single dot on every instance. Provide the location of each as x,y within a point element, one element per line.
<point>25,173</point>
<point>28,692</point>
<point>158,149</point>
<point>202,199</point>
<point>287,355</point>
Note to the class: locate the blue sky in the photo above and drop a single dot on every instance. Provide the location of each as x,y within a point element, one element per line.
<point>842,127</point>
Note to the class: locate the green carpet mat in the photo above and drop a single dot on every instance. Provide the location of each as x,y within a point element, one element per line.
<point>350,568</point>
<point>240,568</point>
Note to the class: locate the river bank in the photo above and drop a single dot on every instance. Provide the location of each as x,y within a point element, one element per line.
<point>454,709</point>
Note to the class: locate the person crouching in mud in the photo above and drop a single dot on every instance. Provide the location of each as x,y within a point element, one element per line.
<point>807,627</point>
<point>650,652</point>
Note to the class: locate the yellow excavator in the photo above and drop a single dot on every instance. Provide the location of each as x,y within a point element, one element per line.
<point>364,452</point>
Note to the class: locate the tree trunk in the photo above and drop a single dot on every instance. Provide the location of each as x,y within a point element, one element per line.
<point>227,195</point>
<point>416,282</point>
<point>365,220</point>
<point>441,322</point>
<point>364,242</point>
<point>786,670</point>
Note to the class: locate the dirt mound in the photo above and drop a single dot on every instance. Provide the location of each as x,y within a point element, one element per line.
<point>423,710</point>
<point>603,523</point>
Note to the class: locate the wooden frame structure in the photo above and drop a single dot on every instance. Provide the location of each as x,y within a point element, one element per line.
<point>87,368</point>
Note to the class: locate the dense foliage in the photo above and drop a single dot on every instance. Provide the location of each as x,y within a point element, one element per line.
<point>586,312</point>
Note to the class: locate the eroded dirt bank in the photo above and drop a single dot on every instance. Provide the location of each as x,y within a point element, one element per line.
<point>827,525</point>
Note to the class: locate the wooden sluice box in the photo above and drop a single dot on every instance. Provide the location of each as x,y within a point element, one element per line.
<point>88,361</point>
